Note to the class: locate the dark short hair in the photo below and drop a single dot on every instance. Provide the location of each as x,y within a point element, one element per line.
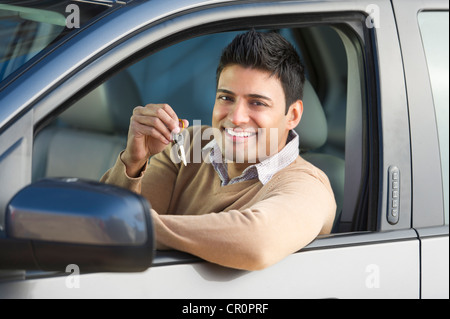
<point>267,52</point>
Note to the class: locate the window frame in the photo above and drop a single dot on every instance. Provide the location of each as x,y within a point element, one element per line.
<point>366,163</point>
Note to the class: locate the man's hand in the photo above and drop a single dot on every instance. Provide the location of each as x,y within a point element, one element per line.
<point>150,131</point>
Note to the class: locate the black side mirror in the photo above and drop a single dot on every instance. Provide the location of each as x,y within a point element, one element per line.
<point>53,223</point>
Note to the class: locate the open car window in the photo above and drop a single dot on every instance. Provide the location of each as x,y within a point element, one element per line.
<point>85,140</point>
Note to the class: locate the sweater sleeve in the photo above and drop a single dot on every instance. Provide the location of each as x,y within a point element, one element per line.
<point>155,183</point>
<point>117,175</point>
<point>288,217</point>
<point>159,176</point>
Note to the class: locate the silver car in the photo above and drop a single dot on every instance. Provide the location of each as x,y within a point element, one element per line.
<point>376,121</point>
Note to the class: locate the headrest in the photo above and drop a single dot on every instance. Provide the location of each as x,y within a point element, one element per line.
<point>107,108</point>
<point>312,129</point>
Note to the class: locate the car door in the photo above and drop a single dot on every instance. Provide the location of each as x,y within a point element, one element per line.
<point>423,31</point>
<point>374,253</point>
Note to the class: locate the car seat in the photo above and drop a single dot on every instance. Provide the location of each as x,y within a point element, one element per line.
<point>313,133</point>
<point>86,139</point>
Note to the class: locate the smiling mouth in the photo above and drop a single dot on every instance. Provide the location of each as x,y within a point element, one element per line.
<point>239,134</point>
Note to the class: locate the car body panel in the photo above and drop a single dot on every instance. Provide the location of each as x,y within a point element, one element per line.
<point>434,256</point>
<point>378,270</point>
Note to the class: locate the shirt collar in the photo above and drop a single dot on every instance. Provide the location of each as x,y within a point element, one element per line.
<point>264,170</point>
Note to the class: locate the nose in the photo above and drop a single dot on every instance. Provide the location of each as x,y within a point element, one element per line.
<point>239,113</point>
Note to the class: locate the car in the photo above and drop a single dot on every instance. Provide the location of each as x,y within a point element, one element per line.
<point>375,121</point>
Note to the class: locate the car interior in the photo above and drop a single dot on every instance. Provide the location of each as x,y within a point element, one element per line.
<point>85,140</point>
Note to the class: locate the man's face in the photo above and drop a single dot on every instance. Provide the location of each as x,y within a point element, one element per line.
<point>249,114</point>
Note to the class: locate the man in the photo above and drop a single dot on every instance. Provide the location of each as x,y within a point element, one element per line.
<point>241,206</point>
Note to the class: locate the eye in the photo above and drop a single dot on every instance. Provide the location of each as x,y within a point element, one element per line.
<point>258,103</point>
<point>225,98</point>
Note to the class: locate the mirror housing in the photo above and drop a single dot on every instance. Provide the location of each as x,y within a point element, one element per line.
<point>56,222</point>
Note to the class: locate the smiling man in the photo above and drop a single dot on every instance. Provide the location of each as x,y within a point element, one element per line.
<point>249,115</point>
<point>253,200</point>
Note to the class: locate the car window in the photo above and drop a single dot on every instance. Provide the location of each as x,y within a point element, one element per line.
<point>434,27</point>
<point>28,27</point>
<point>86,139</point>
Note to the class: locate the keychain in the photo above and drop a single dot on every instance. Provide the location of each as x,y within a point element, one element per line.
<point>179,140</point>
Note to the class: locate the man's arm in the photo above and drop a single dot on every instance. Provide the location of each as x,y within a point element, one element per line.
<point>150,132</point>
<point>117,175</point>
<point>286,220</point>
<point>157,185</point>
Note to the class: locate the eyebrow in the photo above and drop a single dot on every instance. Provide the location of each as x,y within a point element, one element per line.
<point>255,96</point>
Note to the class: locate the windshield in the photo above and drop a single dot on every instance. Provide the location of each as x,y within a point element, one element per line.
<point>29,26</point>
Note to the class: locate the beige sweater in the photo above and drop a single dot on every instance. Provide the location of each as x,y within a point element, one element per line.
<point>244,225</point>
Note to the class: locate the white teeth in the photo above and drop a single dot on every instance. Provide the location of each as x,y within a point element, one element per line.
<point>239,134</point>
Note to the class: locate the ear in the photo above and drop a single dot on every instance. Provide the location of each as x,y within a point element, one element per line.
<point>294,114</point>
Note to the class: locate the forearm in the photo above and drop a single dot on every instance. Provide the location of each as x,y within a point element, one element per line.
<point>250,239</point>
<point>282,222</point>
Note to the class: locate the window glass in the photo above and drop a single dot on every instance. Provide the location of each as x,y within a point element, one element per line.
<point>21,39</point>
<point>28,27</point>
<point>435,37</point>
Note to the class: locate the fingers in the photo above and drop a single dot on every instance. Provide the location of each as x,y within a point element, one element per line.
<point>157,120</point>
<point>151,131</point>
<point>183,123</point>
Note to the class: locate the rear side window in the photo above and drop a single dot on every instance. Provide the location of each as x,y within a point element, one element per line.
<point>435,37</point>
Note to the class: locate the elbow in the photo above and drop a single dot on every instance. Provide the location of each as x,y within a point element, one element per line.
<point>258,259</point>
<point>261,251</point>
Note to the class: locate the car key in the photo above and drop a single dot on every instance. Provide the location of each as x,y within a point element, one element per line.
<point>179,140</point>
